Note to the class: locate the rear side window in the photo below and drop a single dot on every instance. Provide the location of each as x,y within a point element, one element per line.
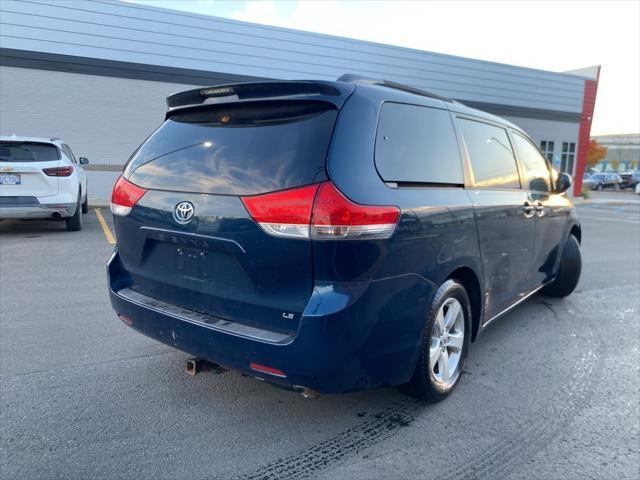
<point>69,153</point>
<point>536,171</point>
<point>417,145</point>
<point>28,152</point>
<point>240,149</point>
<point>491,156</point>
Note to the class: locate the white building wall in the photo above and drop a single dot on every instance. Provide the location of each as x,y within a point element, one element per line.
<point>101,118</point>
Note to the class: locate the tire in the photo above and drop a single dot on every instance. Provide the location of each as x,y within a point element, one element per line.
<point>427,384</point>
<point>599,187</point>
<point>85,204</point>
<point>74,223</point>
<point>569,271</point>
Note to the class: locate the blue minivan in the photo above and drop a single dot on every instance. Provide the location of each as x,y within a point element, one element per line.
<point>335,236</point>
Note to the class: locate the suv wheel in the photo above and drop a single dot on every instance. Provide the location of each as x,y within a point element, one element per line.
<point>85,204</point>
<point>444,346</point>
<point>569,271</point>
<point>74,223</point>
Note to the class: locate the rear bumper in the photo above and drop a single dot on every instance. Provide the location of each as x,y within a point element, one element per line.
<point>41,211</point>
<point>351,337</point>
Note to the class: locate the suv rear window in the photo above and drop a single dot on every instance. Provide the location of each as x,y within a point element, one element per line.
<point>417,145</point>
<point>28,152</point>
<point>238,149</point>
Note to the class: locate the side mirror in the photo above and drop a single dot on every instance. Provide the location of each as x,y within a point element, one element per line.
<point>83,160</point>
<point>563,182</point>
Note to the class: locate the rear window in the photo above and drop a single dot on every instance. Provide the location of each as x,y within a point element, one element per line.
<point>417,145</point>
<point>240,149</point>
<point>28,152</point>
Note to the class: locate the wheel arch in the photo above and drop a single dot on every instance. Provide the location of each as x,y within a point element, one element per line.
<point>576,231</point>
<point>468,278</point>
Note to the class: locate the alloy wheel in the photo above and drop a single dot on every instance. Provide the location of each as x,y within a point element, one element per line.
<point>447,341</point>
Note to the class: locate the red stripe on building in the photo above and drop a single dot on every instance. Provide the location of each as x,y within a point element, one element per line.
<point>588,105</point>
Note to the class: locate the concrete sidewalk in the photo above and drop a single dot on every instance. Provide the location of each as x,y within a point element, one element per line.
<point>624,197</point>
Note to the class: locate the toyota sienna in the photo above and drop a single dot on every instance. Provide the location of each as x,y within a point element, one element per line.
<point>335,236</point>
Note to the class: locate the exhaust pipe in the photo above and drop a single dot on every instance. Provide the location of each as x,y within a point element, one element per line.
<point>308,393</point>
<point>198,365</point>
<point>56,215</point>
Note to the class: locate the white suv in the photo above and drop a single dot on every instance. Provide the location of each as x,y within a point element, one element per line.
<point>41,178</point>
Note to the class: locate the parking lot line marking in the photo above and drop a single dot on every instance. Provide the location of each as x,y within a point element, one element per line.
<point>105,228</point>
<point>610,219</point>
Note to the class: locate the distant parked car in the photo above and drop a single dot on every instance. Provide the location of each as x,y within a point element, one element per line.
<point>630,179</point>
<point>600,181</point>
<point>41,178</point>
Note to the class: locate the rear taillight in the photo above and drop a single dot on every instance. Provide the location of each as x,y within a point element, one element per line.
<point>320,212</point>
<point>124,196</point>
<point>286,213</point>
<point>58,171</point>
<point>337,217</point>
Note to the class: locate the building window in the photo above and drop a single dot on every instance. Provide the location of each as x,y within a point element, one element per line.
<point>567,157</point>
<point>547,147</point>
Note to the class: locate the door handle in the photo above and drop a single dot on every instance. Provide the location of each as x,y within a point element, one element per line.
<point>539,208</point>
<point>529,209</point>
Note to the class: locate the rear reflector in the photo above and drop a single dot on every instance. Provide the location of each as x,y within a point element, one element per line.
<point>125,319</point>
<point>124,196</point>
<point>268,370</point>
<point>320,212</point>
<point>58,171</point>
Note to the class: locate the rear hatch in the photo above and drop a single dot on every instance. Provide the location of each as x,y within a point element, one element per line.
<point>23,166</point>
<point>208,161</point>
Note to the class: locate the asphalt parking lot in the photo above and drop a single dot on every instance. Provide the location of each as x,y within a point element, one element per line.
<point>550,391</point>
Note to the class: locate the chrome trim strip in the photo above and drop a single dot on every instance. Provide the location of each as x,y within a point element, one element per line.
<point>203,320</point>
<point>510,307</point>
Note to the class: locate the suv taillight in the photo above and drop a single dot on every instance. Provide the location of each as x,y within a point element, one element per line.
<point>124,196</point>
<point>320,212</point>
<point>58,171</point>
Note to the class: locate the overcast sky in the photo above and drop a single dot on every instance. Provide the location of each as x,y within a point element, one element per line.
<point>550,35</point>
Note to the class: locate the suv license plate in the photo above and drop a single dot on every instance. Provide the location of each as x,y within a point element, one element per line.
<point>9,179</point>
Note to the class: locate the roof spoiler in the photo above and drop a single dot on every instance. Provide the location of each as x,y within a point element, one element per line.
<point>358,79</point>
<point>270,90</point>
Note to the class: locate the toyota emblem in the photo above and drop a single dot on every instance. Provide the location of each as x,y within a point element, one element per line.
<point>183,213</point>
